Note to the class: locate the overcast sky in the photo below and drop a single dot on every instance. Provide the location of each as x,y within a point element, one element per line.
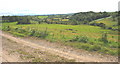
<point>10,7</point>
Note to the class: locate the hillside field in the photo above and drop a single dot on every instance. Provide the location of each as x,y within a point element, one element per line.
<point>78,36</point>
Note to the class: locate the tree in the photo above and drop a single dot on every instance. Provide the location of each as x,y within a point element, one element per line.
<point>102,25</point>
<point>23,20</point>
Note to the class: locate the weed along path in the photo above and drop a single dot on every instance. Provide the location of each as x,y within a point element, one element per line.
<point>58,51</point>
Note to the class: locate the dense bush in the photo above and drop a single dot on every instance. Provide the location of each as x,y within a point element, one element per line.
<point>23,20</point>
<point>102,25</point>
<point>85,17</point>
<point>40,34</point>
<point>19,19</point>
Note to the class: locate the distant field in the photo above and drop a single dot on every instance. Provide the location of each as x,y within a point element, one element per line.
<point>65,19</point>
<point>107,21</point>
<point>42,17</point>
<point>69,35</point>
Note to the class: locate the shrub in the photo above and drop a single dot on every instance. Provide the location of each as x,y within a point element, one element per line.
<point>32,33</point>
<point>40,34</point>
<point>43,34</point>
<point>23,20</point>
<point>80,39</point>
<point>6,28</point>
<point>20,30</point>
<point>104,38</point>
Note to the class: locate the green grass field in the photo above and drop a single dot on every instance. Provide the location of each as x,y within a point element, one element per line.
<point>107,21</point>
<point>78,36</point>
<point>42,17</point>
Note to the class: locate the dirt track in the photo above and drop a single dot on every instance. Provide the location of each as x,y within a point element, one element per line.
<point>17,52</point>
<point>55,51</point>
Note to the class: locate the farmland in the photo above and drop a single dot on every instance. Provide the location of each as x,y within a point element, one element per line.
<point>94,32</point>
<point>68,34</point>
<point>42,17</point>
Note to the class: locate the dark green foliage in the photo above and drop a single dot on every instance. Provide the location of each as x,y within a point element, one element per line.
<point>115,16</point>
<point>9,18</point>
<point>23,20</point>
<point>102,25</point>
<point>75,19</point>
<point>19,19</point>
<point>86,17</point>
<point>39,22</point>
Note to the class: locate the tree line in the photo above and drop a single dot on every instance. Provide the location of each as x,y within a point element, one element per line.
<point>74,19</point>
<point>18,19</point>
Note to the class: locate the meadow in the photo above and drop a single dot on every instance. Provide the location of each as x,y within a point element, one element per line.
<point>42,17</point>
<point>108,22</point>
<point>78,36</point>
